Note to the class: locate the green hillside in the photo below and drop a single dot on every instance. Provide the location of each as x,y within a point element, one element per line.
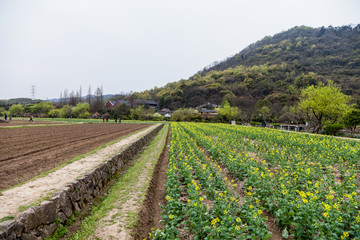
<point>275,68</point>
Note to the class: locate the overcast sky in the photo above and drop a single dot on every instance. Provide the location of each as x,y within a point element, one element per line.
<point>135,45</point>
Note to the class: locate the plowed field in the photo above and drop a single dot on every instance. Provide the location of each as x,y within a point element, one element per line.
<point>21,122</point>
<point>27,152</point>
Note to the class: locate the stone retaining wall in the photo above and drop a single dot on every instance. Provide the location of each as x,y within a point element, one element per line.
<point>39,222</point>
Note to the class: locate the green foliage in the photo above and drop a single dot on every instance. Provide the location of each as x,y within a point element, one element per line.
<point>41,107</point>
<point>66,111</point>
<point>323,103</point>
<point>227,113</point>
<point>265,112</point>
<point>54,113</point>
<point>263,103</point>
<point>16,110</point>
<point>6,218</point>
<point>2,111</point>
<point>142,113</point>
<point>81,110</point>
<point>158,117</point>
<point>183,114</point>
<point>333,129</point>
<point>60,231</point>
<point>352,119</point>
<point>305,80</point>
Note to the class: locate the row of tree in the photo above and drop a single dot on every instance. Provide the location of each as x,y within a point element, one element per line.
<point>46,109</point>
<point>95,100</point>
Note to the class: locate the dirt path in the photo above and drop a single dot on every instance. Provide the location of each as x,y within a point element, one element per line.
<point>32,191</point>
<point>150,214</point>
<point>119,221</point>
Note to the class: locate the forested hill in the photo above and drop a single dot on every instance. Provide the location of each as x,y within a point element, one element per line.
<point>332,50</point>
<point>275,68</point>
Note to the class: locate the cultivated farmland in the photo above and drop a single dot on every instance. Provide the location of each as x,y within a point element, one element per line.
<point>236,182</point>
<point>27,152</point>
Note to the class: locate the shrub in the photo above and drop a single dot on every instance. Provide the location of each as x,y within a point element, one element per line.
<point>333,129</point>
<point>276,125</point>
<point>255,123</point>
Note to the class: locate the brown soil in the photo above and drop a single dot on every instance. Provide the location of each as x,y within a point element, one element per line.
<point>27,152</point>
<point>20,122</point>
<point>150,213</point>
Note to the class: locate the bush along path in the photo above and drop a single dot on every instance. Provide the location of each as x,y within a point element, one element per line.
<point>201,204</point>
<point>115,216</point>
<point>308,182</point>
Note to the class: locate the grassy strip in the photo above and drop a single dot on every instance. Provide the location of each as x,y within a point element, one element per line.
<point>10,217</point>
<point>47,196</point>
<point>123,187</point>
<point>44,174</point>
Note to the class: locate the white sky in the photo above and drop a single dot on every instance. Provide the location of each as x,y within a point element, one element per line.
<point>135,45</point>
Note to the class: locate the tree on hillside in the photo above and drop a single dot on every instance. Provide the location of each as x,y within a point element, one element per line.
<point>183,114</point>
<point>352,119</point>
<point>227,113</point>
<point>265,112</point>
<point>323,103</point>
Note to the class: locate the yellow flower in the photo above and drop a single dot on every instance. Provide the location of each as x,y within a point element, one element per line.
<point>171,216</point>
<point>201,199</point>
<point>251,206</point>
<point>238,219</point>
<point>213,222</point>
<point>345,235</point>
<point>260,211</point>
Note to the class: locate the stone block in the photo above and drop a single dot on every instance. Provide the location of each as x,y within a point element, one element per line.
<point>29,219</point>
<point>61,216</point>
<point>48,212</point>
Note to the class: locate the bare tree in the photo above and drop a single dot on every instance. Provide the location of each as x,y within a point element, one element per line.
<point>80,94</point>
<point>72,98</point>
<point>66,100</point>
<point>88,98</point>
<point>99,99</point>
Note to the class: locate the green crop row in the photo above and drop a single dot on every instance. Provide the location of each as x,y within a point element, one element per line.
<point>201,202</point>
<point>308,182</point>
